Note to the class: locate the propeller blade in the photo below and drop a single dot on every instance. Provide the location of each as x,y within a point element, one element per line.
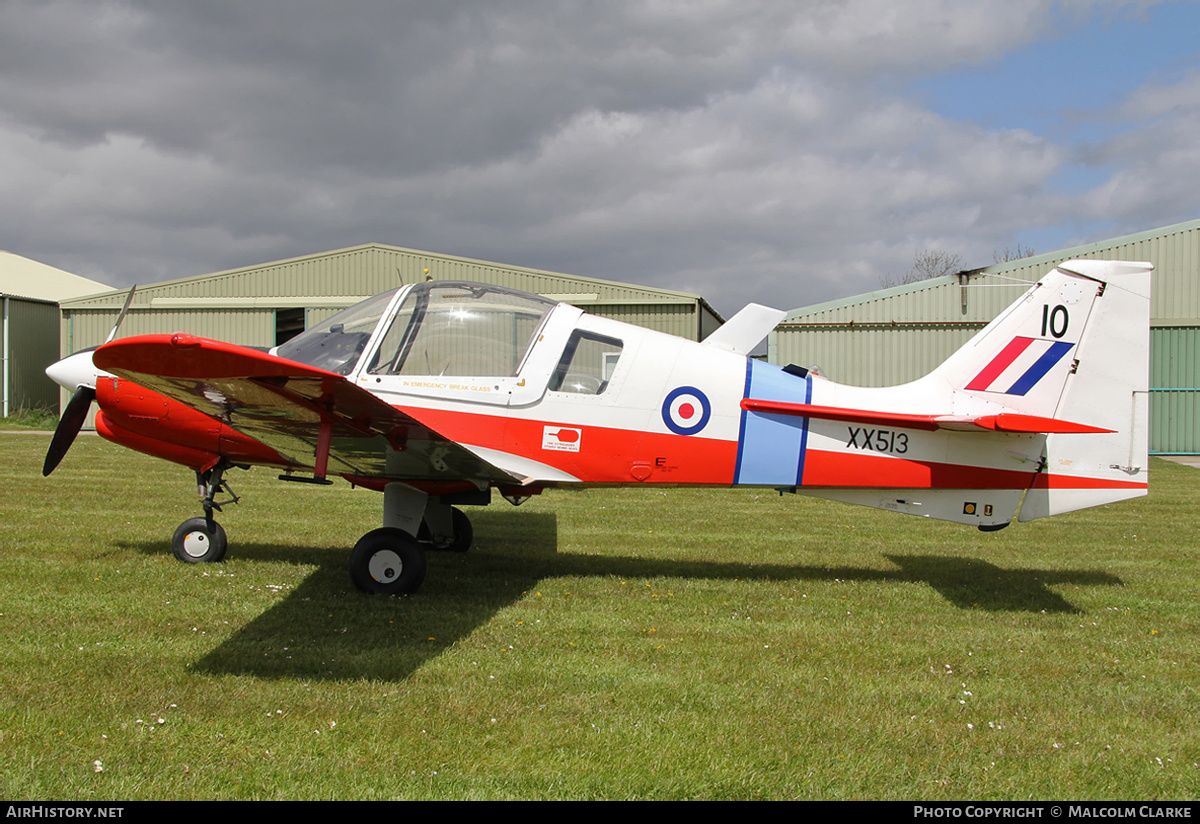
<point>68,427</point>
<point>121,317</point>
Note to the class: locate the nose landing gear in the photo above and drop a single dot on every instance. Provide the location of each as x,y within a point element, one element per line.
<point>202,540</point>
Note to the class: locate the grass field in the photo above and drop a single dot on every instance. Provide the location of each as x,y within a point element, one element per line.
<point>626,644</point>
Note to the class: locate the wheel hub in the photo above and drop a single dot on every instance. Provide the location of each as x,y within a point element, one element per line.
<point>385,566</point>
<point>195,544</point>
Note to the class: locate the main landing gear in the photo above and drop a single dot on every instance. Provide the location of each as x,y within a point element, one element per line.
<point>391,559</point>
<point>388,560</point>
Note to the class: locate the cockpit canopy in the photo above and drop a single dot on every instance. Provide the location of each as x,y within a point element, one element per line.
<point>444,328</point>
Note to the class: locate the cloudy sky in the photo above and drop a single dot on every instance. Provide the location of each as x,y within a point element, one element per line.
<point>784,152</point>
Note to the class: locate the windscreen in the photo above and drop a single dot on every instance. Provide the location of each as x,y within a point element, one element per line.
<point>336,343</point>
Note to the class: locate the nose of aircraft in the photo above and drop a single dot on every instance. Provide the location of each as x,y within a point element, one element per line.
<point>74,371</point>
<point>78,375</point>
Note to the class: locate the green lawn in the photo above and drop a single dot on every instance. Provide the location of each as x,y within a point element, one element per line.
<point>624,644</point>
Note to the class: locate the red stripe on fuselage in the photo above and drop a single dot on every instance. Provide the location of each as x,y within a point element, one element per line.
<point>847,470</point>
<point>605,456</point>
<point>1072,482</point>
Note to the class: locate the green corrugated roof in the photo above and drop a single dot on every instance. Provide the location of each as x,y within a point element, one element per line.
<point>605,290</point>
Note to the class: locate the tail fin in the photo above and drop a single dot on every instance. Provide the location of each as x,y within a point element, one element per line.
<point>1110,387</point>
<point>1075,347</point>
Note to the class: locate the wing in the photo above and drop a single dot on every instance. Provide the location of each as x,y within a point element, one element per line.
<point>311,417</point>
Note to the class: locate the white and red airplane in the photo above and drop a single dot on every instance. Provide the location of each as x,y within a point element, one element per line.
<point>437,393</point>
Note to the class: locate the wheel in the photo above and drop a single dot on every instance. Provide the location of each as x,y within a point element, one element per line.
<point>199,541</point>
<point>387,560</point>
<point>464,534</point>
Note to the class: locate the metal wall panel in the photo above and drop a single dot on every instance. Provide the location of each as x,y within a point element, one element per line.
<point>326,282</point>
<point>249,327</point>
<point>873,354</point>
<point>240,305</point>
<point>1174,251</point>
<point>674,319</point>
<point>1175,390</point>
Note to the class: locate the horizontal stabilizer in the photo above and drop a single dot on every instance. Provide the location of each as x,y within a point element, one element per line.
<point>1010,422</point>
<point>1013,422</point>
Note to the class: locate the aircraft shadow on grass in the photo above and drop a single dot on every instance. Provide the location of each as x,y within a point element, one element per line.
<point>326,629</point>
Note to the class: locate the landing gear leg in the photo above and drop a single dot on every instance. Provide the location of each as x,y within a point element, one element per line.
<point>210,483</point>
<point>392,559</point>
<point>446,528</point>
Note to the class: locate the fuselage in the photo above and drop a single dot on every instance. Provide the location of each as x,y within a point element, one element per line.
<point>565,398</point>
<point>494,387</point>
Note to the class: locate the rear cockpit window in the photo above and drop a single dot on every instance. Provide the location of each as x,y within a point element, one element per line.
<point>587,364</point>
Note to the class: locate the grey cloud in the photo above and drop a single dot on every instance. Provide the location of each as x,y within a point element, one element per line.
<point>751,150</point>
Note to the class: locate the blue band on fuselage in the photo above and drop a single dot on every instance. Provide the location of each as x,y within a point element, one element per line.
<point>771,447</point>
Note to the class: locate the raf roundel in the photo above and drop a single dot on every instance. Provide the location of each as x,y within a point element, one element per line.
<point>686,410</point>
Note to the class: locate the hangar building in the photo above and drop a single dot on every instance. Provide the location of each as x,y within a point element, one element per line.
<point>30,293</point>
<point>264,305</point>
<point>899,334</point>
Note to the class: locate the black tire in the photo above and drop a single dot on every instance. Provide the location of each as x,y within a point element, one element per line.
<point>464,534</point>
<point>199,541</point>
<point>387,561</point>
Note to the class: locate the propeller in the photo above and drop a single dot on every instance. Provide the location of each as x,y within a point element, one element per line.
<point>77,373</point>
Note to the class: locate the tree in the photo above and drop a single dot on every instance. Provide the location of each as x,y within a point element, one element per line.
<point>1006,255</point>
<point>928,264</point>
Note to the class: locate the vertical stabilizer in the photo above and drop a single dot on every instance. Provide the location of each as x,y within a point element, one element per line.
<point>1108,386</point>
<point>1075,347</point>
